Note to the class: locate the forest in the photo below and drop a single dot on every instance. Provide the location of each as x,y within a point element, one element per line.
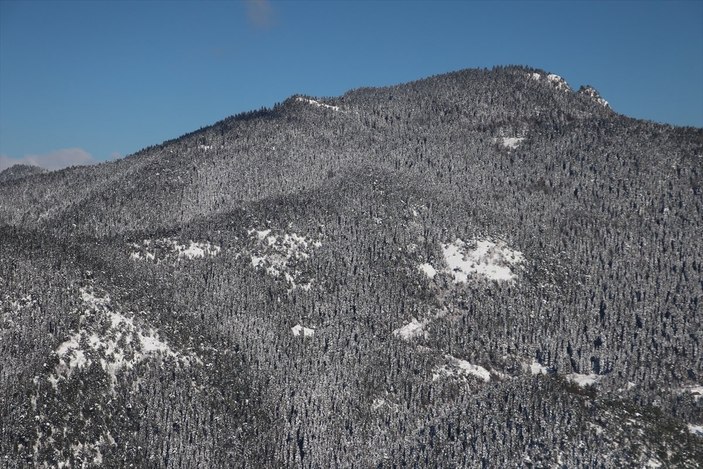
<point>483,268</point>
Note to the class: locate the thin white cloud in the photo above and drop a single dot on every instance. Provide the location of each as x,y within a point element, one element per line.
<point>53,160</point>
<point>260,13</point>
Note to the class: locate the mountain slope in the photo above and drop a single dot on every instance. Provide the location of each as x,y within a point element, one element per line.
<point>19,171</point>
<point>481,268</point>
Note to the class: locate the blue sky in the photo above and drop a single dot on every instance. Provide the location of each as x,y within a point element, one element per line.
<point>86,81</point>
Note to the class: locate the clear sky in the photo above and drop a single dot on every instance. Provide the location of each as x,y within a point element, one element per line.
<point>85,81</point>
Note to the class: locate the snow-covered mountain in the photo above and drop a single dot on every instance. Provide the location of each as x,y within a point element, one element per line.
<point>477,269</point>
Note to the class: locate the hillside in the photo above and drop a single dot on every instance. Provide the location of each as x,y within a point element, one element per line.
<point>19,171</point>
<point>478,269</point>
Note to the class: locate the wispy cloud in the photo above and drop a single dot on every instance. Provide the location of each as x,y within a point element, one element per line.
<point>260,13</point>
<point>57,159</point>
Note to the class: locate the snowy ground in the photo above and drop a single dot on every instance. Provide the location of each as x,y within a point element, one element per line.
<point>279,254</point>
<point>509,142</point>
<point>696,429</point>
<point>538,369</point>
<point>171,249</point>
<point>411,330</point>
<point>300,330</point>
<point>118,343</point>
<point>460,368</point>
<point>428,270</point>
<point>553,79</point>
<point>494,261</point>
<point>114,342</point>
<point>583,380</point>
<point>695,390</point>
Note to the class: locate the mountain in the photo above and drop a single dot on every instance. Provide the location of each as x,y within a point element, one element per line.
<point>478,269</point>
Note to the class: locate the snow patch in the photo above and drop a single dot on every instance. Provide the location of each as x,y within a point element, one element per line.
<point>123,344</point>
<point>509,142</point>
<point>558,82</point>
<point>534,76</point>
<point>317,103</point>
<point>377,403</point>
<point>172,249</point>
<point>299,329</point>
<point>107,340</point>
<point>428,270</point>
<point>593,94</point>
<point>196,250</point>
<point>411,330</point>
<point>485,258</point>
<point>279,255</point>
<point>538,369</point>
<point>696,390</point>
<point>583,380</point>
<point>460,368</point>
<point>696,429</point>
<point>260,234</point>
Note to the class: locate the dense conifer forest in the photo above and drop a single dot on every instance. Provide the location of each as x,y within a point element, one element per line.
<point>478,269</point>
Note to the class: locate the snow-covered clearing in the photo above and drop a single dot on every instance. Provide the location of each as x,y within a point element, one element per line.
<point>538,369</point>
<point>509,142</point>
<point>279,254</point>
<point>299,330</point>
<point>107,340</point>
<point>494,261</point>
<point>172,249</point>
<point>460,368</point>
<point>118,344</point>
<point>411,330</point>
<point>583,380</point>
